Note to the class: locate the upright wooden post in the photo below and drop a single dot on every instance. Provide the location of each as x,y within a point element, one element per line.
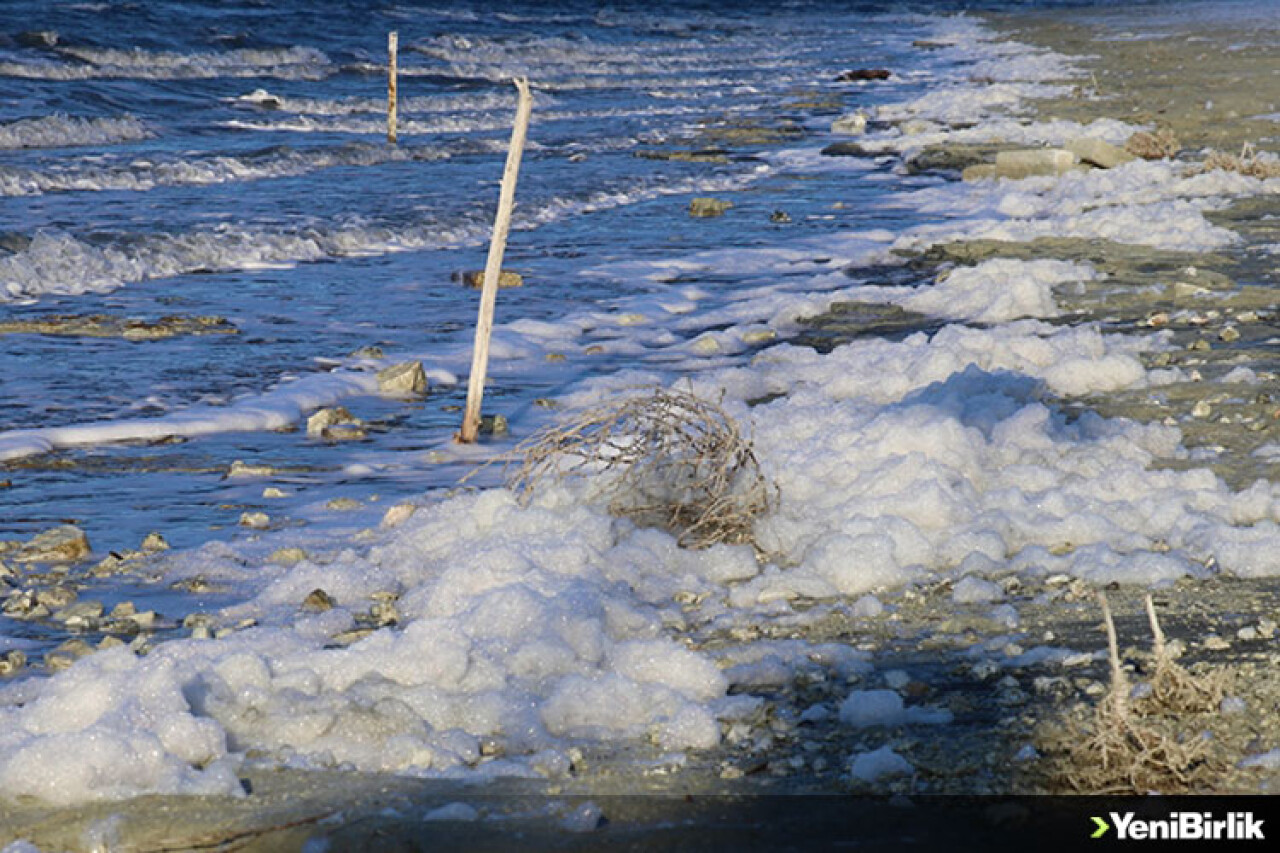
<point>393,41</point>
<point>493,267</point>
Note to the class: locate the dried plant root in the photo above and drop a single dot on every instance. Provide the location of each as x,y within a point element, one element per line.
<point>666,459</point>
<point>1173,689</point>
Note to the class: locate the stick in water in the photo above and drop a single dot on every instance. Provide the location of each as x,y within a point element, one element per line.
<point>393,41</point>
<point>493,267</point>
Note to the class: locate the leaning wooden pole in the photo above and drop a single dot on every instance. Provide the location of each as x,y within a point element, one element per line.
<point>493,267</point>
<point>393,43</point>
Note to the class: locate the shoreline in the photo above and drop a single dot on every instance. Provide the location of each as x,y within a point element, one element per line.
<point>931,636</point>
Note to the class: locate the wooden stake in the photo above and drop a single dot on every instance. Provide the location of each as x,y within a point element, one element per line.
<point>393,41</point>
<point>493,267</point>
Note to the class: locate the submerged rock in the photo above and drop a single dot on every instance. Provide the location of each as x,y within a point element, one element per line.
<point>506,278</point>
<point>845,149</point>
<point>850,125</point>
<point>859,74</point>
<point>704,207</point>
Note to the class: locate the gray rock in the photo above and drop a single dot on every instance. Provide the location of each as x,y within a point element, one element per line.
<point>845,149</point>
<point>407,377</point>
<point>65,544</point>
<point>1098,153</point>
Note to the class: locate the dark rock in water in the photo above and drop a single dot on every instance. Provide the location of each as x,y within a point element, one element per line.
<point>37,38</point>
<point>845,149</point>
<point>13,242</point>
<point>958,157</point>
<point>780,216</point>
<point>858,74</point>
<point>475,278</point>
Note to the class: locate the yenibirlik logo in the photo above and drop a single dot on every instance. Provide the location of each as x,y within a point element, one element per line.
<point>1182,826</point>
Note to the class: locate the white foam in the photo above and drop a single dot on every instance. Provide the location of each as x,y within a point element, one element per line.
<point>89,63</point>
<point>58,130</point>
<point>277,408</point>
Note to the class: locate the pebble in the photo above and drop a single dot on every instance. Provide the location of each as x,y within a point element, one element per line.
<point>154,542</point>
<point>318,601</point>
<point>343,504</point>
<point>287,556</point>
<point>1214,643</point>
<point>704,207</point>
<point>1200,345</point>
<point>255,520</point>
<point>273,493</point>
<point>1201,409</point>
<point>12,661</point>
<point>398,514</point>
<point>240,468</point>
<point>1229,334</point>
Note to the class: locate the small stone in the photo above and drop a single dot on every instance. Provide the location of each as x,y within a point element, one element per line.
<point>368,352</point>
<point>12,661</point>
<point>1201,409</point>
<point>732,771</point>
<point>506,278</point>
<point>1095,152</point>
<point>556,356</point>
<point>780,217</point>
<point>109,643</point>
<point>705,345</point>
<point>67,654</point>
<point>255,520</point>
<point>493,424</point>
<point>56,597</point>
<point>1249,632</point>
<point>1214,643</point>
<point>1158,319</point>
<point>1200,345</point>
<point>83,615</point>
<point>240,468</point>
<point>398,514</point>
<point>346,638</point>
<point>65,544</point>
<point>1247,316</point>
<point>850,125</point>
<point>1229,334</point>
<point>703,207</point>
<point>287,556</point>
<point>844,149</point>
<point>406,377</point>
<point>759,336</point>
<point>859,74</point>
<point>593,349</point>
<point>322,423</point>
<point>384,613</point>
<point>154,543</point>
<point>343,504</point>
<point>318,601</point>
<point>273,493</point>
